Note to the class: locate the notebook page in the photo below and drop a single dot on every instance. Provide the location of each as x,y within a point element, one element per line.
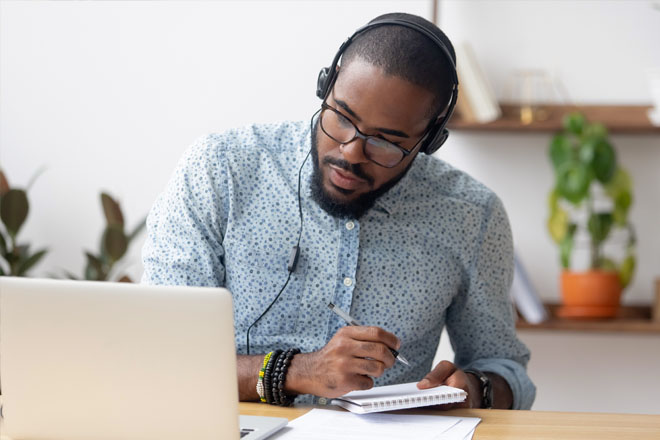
<point>398,396</point>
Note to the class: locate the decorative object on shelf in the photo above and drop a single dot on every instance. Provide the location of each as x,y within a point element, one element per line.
<point>114,244</point>
<point>655,314</point>
<point>532,91</point>
<point>476,100</point>
<point>16,259</point>
<point>591,197</point>
<point>524,294</point>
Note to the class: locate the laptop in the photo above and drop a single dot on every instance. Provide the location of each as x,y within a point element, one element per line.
<point>87,359</point>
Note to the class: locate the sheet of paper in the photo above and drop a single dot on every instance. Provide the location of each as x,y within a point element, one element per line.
<point>323,424</point>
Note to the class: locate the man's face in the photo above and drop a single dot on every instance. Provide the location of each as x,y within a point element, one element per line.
<point>379,105</point>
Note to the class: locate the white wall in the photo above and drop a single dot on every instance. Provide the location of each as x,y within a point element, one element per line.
<point>108,94</point>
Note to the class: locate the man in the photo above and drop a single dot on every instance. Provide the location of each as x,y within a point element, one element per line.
<point>399,239</point>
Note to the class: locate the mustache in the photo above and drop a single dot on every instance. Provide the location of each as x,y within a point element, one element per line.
<point>347,166</point>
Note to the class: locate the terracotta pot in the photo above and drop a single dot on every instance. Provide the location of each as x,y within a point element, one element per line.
<point>591,294</point>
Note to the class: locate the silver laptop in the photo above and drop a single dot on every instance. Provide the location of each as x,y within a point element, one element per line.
<point>83,360</point>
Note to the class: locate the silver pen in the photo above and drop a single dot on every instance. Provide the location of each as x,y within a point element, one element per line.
<point>350,321</point>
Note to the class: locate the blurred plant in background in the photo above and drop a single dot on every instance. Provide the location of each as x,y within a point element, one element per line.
<point>114,244</point>
<point>14,207</point>
<point>586,171</point>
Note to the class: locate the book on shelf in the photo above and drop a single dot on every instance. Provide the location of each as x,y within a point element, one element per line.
<point>476,99</point>
<point>525,296</point>
<point>401,396</point>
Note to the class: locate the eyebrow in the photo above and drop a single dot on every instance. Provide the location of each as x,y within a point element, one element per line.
<point>397,133</point>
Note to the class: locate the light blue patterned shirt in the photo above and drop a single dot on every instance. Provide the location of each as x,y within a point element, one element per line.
<point>434,251</point>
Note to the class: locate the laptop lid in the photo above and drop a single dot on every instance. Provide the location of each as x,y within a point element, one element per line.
<point>82,359</point>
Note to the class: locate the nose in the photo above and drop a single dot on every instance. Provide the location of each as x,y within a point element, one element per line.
<point>353,151</point>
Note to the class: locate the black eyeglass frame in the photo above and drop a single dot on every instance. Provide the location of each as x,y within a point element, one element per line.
<point>358,134</point>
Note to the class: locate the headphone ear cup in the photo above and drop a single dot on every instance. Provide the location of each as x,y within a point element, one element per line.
<point>322,83</point>
<point>435,141</point>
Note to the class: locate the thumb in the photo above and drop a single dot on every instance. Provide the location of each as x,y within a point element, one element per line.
<point>437,376</point>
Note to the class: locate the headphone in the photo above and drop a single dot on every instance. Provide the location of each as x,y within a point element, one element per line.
<point>435,137</point>
<point>438,133</point>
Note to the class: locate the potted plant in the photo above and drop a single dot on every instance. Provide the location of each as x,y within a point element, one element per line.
<point>114,244</point>
<point>591,197</point>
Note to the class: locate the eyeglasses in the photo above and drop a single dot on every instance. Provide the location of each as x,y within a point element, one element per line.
<point>378,150</point>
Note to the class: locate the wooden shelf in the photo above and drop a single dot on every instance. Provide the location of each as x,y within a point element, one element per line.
<point>630,119</point>
<point>631,319</point>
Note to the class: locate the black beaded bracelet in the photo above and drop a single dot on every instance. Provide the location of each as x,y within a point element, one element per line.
<point>279,377</point>
<point>268,376</point>
<point>277,371</point>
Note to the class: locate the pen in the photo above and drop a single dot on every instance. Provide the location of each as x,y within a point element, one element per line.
<point>346,317</point>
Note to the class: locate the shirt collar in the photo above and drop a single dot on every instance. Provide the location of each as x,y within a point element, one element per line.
<point>393,200</point>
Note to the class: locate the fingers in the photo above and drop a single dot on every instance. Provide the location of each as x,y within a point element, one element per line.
<point>373,334</point>
<point>438,376</point>
<point>374,351</point>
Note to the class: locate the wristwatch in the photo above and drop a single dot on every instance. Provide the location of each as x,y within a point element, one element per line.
<point>486,388</point>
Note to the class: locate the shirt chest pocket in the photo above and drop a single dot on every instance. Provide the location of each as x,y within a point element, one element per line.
<point>255,274</point>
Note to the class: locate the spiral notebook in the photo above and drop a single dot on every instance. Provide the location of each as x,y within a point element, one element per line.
<point>401,396</point>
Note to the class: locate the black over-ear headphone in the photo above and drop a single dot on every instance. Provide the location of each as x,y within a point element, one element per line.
<point>438,133</point>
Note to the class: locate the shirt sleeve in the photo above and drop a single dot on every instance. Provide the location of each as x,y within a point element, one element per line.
<point>480,320</point>
<point>186,224</point>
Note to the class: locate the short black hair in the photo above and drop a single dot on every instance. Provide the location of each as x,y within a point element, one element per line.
<point>409,54</point>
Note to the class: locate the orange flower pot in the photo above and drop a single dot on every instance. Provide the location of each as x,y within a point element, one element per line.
<point>591,294</point>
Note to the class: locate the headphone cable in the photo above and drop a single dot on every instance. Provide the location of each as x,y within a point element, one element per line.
<point>295,252</point>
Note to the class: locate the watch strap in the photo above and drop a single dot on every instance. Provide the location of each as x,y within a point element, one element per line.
<point>486,387</point>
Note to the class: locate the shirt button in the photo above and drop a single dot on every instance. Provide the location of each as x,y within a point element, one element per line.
<point>348,282</point>
<point>350,226</point>
<point>323,401</point>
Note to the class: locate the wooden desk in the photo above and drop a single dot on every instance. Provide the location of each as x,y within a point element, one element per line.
<point>499,424</point>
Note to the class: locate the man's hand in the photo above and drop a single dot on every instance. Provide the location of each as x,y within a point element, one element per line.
<point>348,362</point>
<point>446,373</point>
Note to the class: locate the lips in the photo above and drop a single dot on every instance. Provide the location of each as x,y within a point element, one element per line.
<point>344,179</point>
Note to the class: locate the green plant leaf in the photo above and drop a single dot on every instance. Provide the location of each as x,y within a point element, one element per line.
<point>621,182</point>
<point>14,210</point>
<point>607,264</point>
<point>561,150</point>
<point>2,272</point>
<point>599,226</point>
<point>4,184</point>
<point>627,270</point>
<point>3,244</point>
<point>69,275</point>
<point>140,226</point>
<point>553,200</point>
<point>94,270</point>
<point>574,122</point>
<point>595,131</point>
<point>573,180</point>
<point>33,179</point>
<point>604,161</point>
<point>587,152</point>
<point>31,261</point>
<point>115,242</point>
<point>558,224</point>
<point>621,207</point>
<point>112,211</point>
<point>565,249</point>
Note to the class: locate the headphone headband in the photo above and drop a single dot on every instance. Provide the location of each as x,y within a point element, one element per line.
<point>438,134</point>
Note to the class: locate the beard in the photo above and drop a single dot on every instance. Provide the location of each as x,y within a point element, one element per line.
<point>345,208</point>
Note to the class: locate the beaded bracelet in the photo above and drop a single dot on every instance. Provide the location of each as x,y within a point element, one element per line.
<point>260,380</point>
<point>268,376</point>
<point>279,377</point>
